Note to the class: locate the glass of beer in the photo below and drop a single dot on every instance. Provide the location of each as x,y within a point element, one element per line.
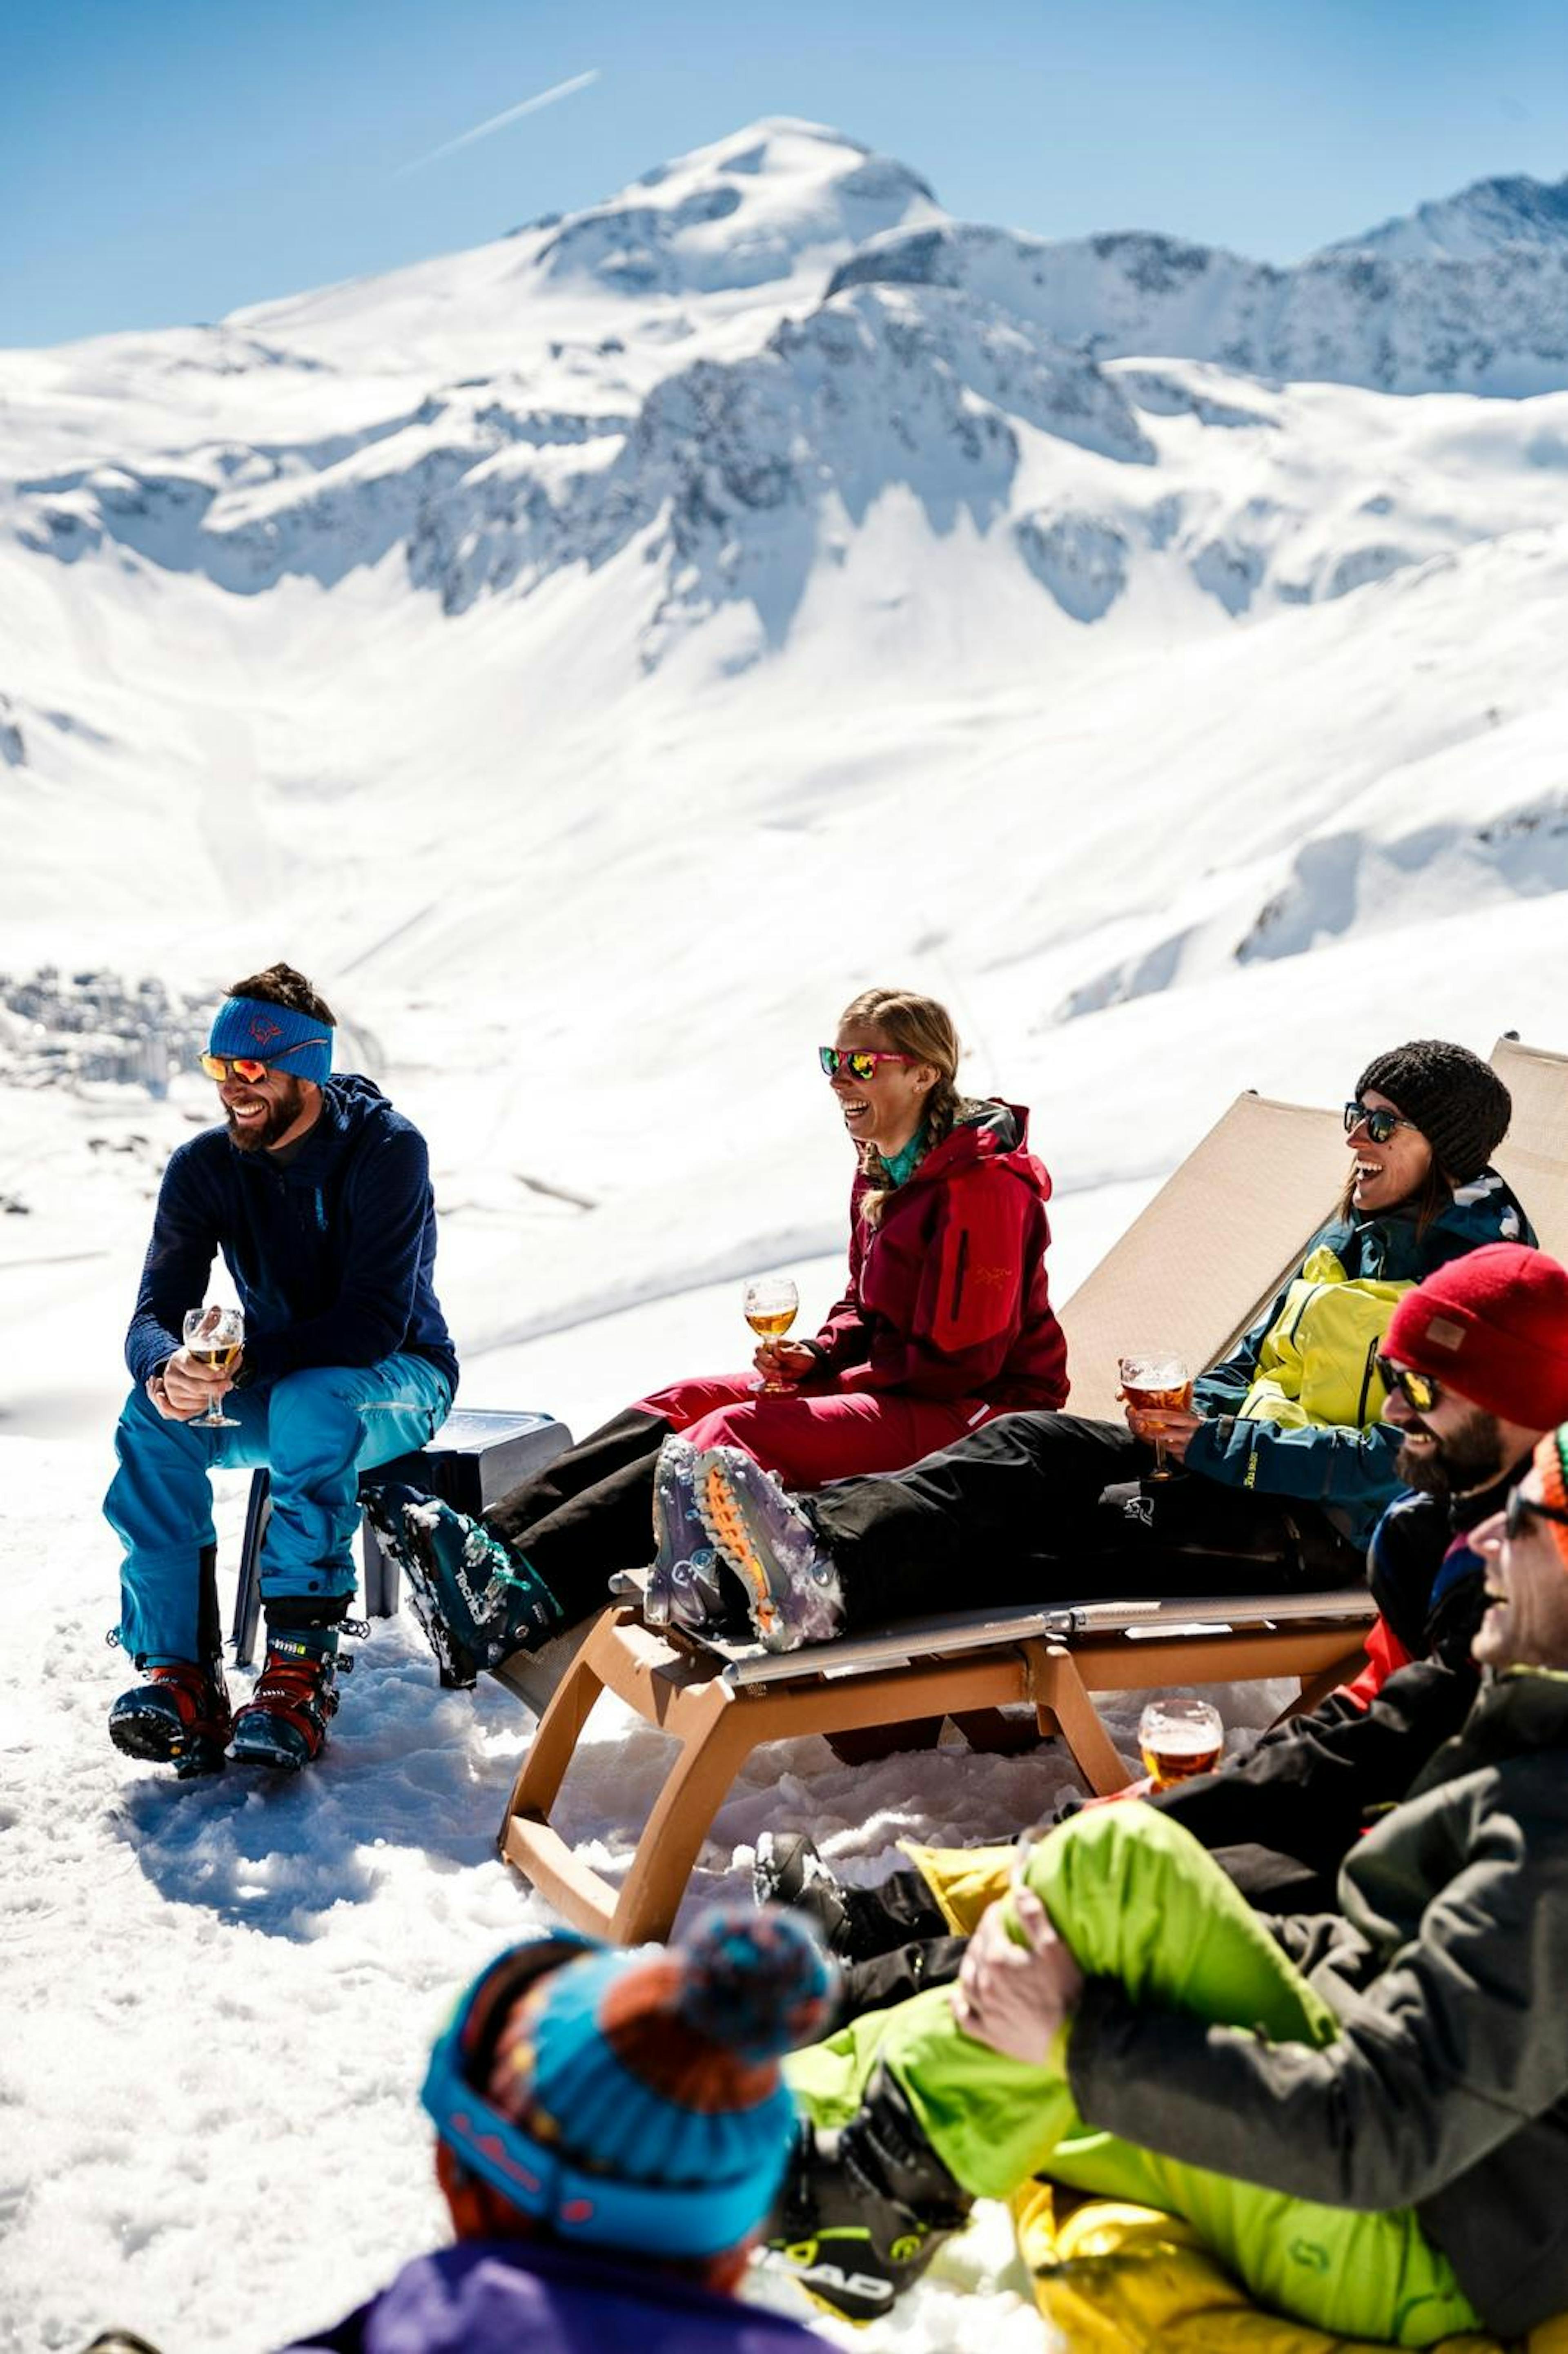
<point>1155,1380</point>
<point>769,1305</point>
<point>215,1336</point>
<point>1179,1738</point>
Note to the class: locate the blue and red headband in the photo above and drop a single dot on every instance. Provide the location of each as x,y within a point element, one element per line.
<point>251,1028</point>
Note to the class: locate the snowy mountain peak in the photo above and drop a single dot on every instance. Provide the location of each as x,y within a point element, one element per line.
<point>1482,219</point>
<point>744,212</point>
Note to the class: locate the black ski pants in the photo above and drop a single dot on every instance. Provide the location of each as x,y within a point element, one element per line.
<point>588,1513</point>
<point>1034,1508</point>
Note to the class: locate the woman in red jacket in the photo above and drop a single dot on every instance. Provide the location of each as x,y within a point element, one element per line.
<point>946,1321</point>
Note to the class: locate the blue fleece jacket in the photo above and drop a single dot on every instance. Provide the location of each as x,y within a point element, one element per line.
<point>332,1256</point>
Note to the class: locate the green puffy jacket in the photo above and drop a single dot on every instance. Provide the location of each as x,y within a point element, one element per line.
<point>1446,2088</point>
<point>1256,1435</point>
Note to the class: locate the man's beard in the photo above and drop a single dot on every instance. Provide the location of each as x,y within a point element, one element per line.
<point>283,1110</point>
<point>1470,1457</point>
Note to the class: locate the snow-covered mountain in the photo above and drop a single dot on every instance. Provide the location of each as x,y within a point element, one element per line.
<point>1375,313</point>
<point>1078,627</point>
<point>1480,220</point>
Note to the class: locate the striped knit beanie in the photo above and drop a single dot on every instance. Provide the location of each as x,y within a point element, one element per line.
<point>1552,1462</point>
<point>661,2067</point>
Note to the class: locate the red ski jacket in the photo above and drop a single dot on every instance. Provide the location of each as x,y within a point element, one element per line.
<point>948,1294</point>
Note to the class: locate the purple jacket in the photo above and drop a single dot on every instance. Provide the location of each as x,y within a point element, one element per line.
<point>494,2296</point>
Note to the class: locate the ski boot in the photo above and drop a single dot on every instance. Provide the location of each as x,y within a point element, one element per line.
<point>477,1602</point>
<point>178,1715</point>
<point>688,1584</point>
<point>864,2208</point>
<point>283,1724</point>
<point>792,1588</point>
<point>856,1925</point>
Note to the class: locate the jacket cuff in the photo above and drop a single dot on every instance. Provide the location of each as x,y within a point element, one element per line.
<point>1209,1450</point>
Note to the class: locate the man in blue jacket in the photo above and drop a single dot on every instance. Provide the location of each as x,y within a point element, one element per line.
<point>317,1195</point>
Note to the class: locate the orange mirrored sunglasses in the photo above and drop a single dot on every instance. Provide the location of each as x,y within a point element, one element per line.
<point>245,1067</point>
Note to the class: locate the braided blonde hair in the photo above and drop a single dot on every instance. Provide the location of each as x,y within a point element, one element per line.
<point>921,1027</point>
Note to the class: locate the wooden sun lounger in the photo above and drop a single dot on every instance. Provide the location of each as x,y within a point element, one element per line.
<point>1191,1272</point>
<point>718,1709</point>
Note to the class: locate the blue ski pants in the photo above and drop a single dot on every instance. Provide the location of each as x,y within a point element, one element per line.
<point>315,1430</point>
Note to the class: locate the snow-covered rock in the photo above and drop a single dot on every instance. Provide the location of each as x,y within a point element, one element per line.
<point>1496,323</point>
<point>1480,220</point>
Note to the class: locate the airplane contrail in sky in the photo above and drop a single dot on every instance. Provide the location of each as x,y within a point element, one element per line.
<point>498,121</point>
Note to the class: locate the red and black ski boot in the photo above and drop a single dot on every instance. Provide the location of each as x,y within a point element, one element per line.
<point>283,1724</point>
<point>178,1715</point>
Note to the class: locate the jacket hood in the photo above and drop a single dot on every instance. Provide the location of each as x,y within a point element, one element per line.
<point>984,1131</point>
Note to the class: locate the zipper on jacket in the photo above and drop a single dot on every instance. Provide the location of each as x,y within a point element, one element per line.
<point>959,1270</point>
<point>1373,1345</point>
<point>1305,1304</point>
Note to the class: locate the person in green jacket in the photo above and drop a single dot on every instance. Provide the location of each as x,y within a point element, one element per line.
<point>1365,2114</point>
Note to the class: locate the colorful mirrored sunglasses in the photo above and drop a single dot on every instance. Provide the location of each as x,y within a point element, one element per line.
<point>859,1062</point>
<point>245,1067</point>
<point>1379,1124</point>
<point>1418,1390</point>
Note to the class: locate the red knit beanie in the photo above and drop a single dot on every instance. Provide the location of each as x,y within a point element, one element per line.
<point>1493,1326</point>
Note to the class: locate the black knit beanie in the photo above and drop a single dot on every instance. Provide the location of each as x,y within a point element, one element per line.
<point>1458,1102</point>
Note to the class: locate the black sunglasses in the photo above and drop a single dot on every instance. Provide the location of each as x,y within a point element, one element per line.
<point>1419,1390</point>
<point>1379,1124</point>
<point>1521,1509</point>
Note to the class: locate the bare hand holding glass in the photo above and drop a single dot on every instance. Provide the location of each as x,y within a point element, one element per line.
<point>215,1336</point>
<point>770,1304</point>
<point>1156,1381</point>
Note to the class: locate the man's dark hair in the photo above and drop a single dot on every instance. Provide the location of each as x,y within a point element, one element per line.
<point>281,985</point>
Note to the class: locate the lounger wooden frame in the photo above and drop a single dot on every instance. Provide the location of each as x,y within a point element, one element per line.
<point>717,1715</point>
<point>1232,1219</point>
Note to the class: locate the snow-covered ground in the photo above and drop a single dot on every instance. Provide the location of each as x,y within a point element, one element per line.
<point>220,1996</point>
<point>594,658</point>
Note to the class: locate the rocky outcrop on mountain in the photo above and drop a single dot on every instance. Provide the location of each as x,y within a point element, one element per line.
<point>13,751</point>
<point>1480,220</point>
<point>1497,323</point>
<point>738,462</point>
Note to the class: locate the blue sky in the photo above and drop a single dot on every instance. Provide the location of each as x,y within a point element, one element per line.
<point>167,160</point>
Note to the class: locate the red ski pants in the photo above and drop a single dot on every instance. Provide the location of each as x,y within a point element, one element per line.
<point>810,1436</point>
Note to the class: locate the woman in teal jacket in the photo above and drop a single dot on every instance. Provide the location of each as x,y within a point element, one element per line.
<point>1244,1433</point>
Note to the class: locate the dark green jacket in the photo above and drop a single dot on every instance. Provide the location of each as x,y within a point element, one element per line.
<point>1349,1472</point>
<point>1447,1966</point>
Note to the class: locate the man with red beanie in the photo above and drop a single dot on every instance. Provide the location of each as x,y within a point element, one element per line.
<point>612,2130</point>
<point>1476,1361</point>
